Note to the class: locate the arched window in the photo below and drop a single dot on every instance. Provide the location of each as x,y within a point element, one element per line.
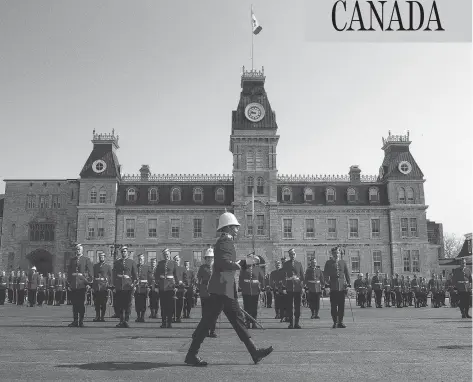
<point>286,194</point>
<point>198,195</point>
<point>93,195</point>
<point>176,194</point>
<point>153,194</point>
<point>401,195</point>
<point>249,185</point>
<point>102,196</point>
<point>410,195</point>
<point>131,195</point>
<point>308,194</point>
<point>374,194</point>
<point>260,186</point>
<point>330,195</point>
<point>220,195</point>
<point>351,195</point>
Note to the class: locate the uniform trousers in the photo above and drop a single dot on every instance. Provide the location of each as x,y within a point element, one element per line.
<point>10,295</point>
<point>77,299</point>
<point>58,299</point>
<point>337,304</point>
<point>269,299</point>
<point>361,298</point>
<point>277,303</point>
<point>369,297</point>
<point>100,302</point>
<point>21,296</point>
<point>294,305</point>
<point>2,296</point>
<point>153,300</point>
<point>378,294</point>
<point>398,299</point>
<point>188,301</point>
<point>314,302</point>
<point>166,299</point>
<point>387,297</point>
<point>464,302</point>
<point>32,297</point>
<point>50,296</point>
<point>179,303</point>
<point>42,295</point>
<point>123,304</point>
<point>231,309</point>
<point>250,305</point>
<point>140,303</point>
<point>206,305</point>
<point>284,307</point>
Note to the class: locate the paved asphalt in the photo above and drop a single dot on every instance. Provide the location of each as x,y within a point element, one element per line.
<point>386,344</point>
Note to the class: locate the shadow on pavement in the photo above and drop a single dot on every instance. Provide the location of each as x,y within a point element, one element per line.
<point>121,365</point>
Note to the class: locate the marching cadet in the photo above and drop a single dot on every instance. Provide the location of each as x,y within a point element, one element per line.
<point>22,285</point>
<point>336,272</point>
<point>153,293</point>
<point>360,288</point>
<point>369,290</point>
<point>442,290</point>
<point>250,280</point>
<point>397,285</point>
<point>15,287</point>
<point>274,278</point>
<point>102,280</point>
<point>294,280</point>
<point>314,279</point>
<point>11,286</point>
<point>377,284</point>
<point>179,296</point>
<point>432,288</point>
<point>410,292</point>
<point>66,298</point>
<point>188,280</point>
<point>166,277</point>
<point>268,291</point>
<point>416,288</point>
<point>141,288</point>
<point>203,276</point>
<point>41,290</point>
<point>124,275</point>
<point>223,294</point>
<point>387,291</point>
<point>32,286</point>
<point>51,288</point>
<point>3,287</point>
<point>79,275</point>
<point>462,281</point>
<point>59,289</point>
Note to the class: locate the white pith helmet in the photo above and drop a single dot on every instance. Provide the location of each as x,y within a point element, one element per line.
<point>226,219</point>
<point>209,252</point>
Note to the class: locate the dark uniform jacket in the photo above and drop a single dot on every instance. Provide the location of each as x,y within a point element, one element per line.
<point>32,280</point>
<point>124,274</point>
<point>415,283</point>
<point>11,281</point>
<point>294,275</point>
<point>60,284</point>
<point>102,276</point>
<point>79,273</point>
<point>222,281</point>
<point>396,283</point>
<point>274,279</point>
<point>376,283</point>
<point>151,279</point>
<point>188,278</point>
<point>387,284</point>
<point>359,284</point>
<point>166,275</point>
<point>22,282</point>
<point>251,280</point>
<point>51,282</point>
<point>203,277</point>
<point>462,279</point>
<point>3,282</point>
<point>330,273</point>
<point>142,280</point>
<point>314,279</point>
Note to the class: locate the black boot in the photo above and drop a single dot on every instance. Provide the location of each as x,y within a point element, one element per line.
<point>257,354</point>
<point>97,315</point>
<point>296,324</point>
<point>191,358</point>
<point>81,319</point>
<point>75,323</point>
<point>291,325</point>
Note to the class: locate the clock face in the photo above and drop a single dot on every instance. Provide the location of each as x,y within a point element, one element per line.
<point>99,166</point>
<point>254,112</point>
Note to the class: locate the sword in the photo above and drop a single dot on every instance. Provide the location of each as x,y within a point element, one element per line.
<point>251,318</point>
<point>349,300</point>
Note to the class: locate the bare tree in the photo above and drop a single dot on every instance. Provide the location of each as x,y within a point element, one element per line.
<point>452,245</point>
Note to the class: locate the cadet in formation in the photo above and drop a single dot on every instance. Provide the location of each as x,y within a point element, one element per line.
<point>102,281</point>
<point>124,276</point>
<point>203,276</point>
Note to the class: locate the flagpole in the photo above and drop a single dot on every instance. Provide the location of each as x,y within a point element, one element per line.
<point>251,18</point>
<point>253,211</point>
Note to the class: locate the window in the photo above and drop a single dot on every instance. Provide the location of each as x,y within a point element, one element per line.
<point>152,255</point>
<point>197,228</point>
<point>355,261</point>
<point>260,186</point>
<point>374,194</point>
<point>259,225</point>
<point>401,195</point>
<point>93,196</point>
<point>330,195</point>
<point>152,227</point>
<point>176,194</point>
<point>100,228</point>
<point>287,228</point>
<point>41,232</point>
<point>102,196</point>
<point>308,195</point>
<point>153,194</point>
<point>351,195</point>
<point>249,185</point>
<point>410,195</point>
<point>250,160</point>
<point>198,195</point>
<point>310,228</point>
<point>131,195</point>
<point>375,228</point>
<point>31,201</point>
<point>175,228</point>
<point>406,258</point>
<point>353,227</point>
<point>44,201</point>
<point>409,227</point>
<point>332,228</point>
<point>404,227</point>
<point>259,159</point>
<point>90,255</point>
<point>220,195</point>
<point>130,228</point>
<point>377,261</point>
<point>413,227</point>
<point>286,194</point>
<point>249,225</point>
<point>90,228</point>
<point>415,260</point>
<point>310,255</point>
<point>197,258</point>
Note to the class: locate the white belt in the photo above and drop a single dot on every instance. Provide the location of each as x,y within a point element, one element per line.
<point>166,277</point>
<point>251,281</point>
<point>77,274</point>
<point>143,281</point>
<point>292,278</point>
<point>100,278</point>
<point>21,283</point>
<point>463,282</point>
<point>124,276</point>
<point>314,281</point>
<point>3,283</point>
<point>378,283</point>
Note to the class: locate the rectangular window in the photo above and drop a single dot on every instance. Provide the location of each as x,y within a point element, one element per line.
<point>250,161</point>
<point>91,228</point>
<point>90,255</point>
<point>130,228</point>
<point>43,201</point>
<point>309,255</point>
<point>413,227</point>
<point>151,255</point>
<point>175,228</point>
<point>174,253</point>
<point>406,259</point>
<point>249,225</point>
<point>353,227</point>
<point>332,228</point>
<point>41,232</point>
<point>415,260</point>
<point>259,160</point>
<point>375,228</point>
<point>310,228</point>
<point>355,261</point>
<point>100,228</point>
<point>31,201</point>
<point>102,197</point>
<point>197,258</point>
<point>197,228</point>
<point>377,261</point>
<point>404,227</point>
<point>287,231</point>
<point>55,202</point>
<point>152,227</point>
<point>259,225</point>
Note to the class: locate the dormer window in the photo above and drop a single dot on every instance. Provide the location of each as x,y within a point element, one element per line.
<point>286,194</point>
<point>153,195</point>
<point>93,195</point>
<point>351,195</point>
<point>220,195</point>
<point>260,186</point>
<point>410,195</point>
<point>308,195</point>
<point>374,195</point>
<point>330,195</point>
<point>198,195</point>
<point>401,195</point>
<point>176,194</point>
<point>131,195</point>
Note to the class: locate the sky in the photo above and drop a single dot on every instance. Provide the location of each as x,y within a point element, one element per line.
<point>166,76</point>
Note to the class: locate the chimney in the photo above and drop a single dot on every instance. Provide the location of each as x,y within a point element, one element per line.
<point>144,171</point>
<point>355,174</point>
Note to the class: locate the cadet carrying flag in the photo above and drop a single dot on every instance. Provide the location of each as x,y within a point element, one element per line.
<point>256,27</point>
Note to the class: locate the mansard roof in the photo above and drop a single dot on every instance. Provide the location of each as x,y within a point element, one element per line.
<point>466,248</point>
<point>104,149</point>
<point>2,202</point>
<point>391,163</point>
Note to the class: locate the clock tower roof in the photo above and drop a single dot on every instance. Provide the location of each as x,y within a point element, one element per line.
<point>102,161</point>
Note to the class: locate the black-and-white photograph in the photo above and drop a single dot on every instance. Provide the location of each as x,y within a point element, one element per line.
<point>260,190</point>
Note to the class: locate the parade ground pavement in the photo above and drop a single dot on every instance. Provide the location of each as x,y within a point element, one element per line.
<point>388,344</point>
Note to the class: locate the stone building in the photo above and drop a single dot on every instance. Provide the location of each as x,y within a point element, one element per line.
<point>379,220</point>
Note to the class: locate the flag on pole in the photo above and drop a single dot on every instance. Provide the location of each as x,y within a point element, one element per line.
<point>256,27</point>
